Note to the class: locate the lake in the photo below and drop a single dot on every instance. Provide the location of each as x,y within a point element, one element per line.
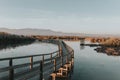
<point>24,50</point>
<point>29,49</point>
<point>88,64</point>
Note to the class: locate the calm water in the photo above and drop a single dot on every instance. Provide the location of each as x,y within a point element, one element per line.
<point>30,49</point>
<point>88,64</point>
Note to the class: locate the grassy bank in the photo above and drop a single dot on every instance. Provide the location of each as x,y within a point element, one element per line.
<point>6,38</point>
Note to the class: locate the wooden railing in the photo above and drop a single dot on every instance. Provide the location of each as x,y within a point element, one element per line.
<point>42,67</point>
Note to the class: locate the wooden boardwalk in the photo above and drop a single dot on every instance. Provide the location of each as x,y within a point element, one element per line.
<point>52,66</point>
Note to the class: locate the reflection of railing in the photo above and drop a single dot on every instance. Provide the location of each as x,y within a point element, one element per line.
<point>43,67</point>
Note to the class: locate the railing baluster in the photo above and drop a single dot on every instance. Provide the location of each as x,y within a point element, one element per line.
<point>62,60</point>
<point>55,65</point>
<point>59,47</point>
<point>67,59</point>
<point>31,62</point>
<point>41,70</point>
<point>11,71</point>
<point>73,58</point>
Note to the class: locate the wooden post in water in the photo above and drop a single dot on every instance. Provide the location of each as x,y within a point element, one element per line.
<point>11,71</point>
<point>31,62</point>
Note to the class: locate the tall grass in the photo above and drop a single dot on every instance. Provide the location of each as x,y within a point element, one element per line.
<point>112,42</point>
<point>6,38</point>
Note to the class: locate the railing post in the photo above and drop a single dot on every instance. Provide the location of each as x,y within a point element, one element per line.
<point>11,71</point>
<point>41,70</point>
<point>73,54</point>
<point>55,65</point>
<point>61,60</point>
<point>61,54</point>
<point>31,62</point>
<point>59,47</point>
<point>73,58</point>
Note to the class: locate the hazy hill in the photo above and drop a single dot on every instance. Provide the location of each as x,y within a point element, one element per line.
<point>30,31</point>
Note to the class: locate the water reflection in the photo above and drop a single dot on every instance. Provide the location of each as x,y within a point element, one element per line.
<point>114,51</point>
<point>90,65</point>
<point>82,42</point>
<point>82,47</point>
<point>12,46</point>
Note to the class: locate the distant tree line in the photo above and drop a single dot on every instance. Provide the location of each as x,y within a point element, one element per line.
<point>6,38</point>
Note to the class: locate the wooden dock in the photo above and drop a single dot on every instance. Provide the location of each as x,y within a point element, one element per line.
<point>52,66</point>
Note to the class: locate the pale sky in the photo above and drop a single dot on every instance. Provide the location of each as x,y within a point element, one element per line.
<point>83,16</point>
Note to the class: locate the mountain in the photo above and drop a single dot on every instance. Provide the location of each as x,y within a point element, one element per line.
<point>47,32</point>
<point>30,31</point>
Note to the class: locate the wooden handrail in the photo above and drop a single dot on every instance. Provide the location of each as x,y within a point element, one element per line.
<point>59,59</point>
<point>2,59</point>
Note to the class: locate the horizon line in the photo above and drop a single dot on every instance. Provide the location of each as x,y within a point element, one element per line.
<point>101,33</point>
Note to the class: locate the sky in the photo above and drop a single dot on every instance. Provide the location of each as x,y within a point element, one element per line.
<point>83,16</point>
